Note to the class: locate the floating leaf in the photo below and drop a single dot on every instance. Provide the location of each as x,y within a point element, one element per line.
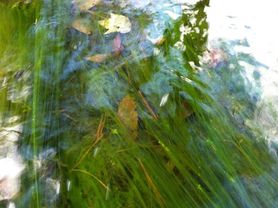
<point>84,5</point>
<point>82,25</point>
<point>98,58</point>
<point>128,115</point>
<point>116,23</point>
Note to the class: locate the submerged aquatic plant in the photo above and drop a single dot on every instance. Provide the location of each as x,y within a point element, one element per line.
<point>141,124</point>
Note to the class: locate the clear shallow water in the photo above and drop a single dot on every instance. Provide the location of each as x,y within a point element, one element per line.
<point>52,106</point>
<point>254,23</point>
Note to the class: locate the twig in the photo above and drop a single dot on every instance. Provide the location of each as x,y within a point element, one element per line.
<point>99,135</point>
<point>92,175</point>
<point>152,185</point>
<point>145,102</point>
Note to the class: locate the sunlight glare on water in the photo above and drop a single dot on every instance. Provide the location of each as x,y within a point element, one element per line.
<point>254,21</point>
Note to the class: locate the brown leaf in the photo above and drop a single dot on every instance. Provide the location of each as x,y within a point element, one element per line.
<point>82,25</point>
<point>128,115</point>
<point>84,5</point>
<point>98,58</point>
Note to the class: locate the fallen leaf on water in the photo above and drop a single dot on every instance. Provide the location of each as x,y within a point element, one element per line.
<point>116,23</point>
<point>98,58</point>
<point>128,115</point>
<point>82,25</point>
<point>84,5</point>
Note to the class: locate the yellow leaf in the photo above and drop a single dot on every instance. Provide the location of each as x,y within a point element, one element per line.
<point>128,115</point>
<point>82,25</point>
<point>84,5</point>
<point>116,23</point>
<point>98,58</point>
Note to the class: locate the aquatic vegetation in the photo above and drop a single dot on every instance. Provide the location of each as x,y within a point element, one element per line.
<point>119,114</point>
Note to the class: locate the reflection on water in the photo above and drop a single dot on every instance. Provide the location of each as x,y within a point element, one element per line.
<point>253,23</point>
<point>164,103</point>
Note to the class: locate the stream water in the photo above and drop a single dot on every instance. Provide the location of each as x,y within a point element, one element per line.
<point>252,22</point>
<point>128,103</point>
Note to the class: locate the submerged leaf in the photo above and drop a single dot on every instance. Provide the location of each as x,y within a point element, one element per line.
<point>98,58</point>
<point>128,115</point>
<point>82,25</point>
<point>84,5</point>
<point>116,23</point>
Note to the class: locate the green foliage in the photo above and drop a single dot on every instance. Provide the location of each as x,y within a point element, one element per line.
<point>190,151</point>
